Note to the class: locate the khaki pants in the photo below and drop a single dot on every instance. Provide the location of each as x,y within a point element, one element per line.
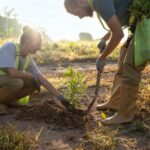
<point>126,66</point>
<point>126,82</point>
<point>12,89</point>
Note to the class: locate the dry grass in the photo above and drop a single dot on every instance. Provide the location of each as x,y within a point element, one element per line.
<point>11,139</point>
<point>100,138</point>
<point>70,51</point>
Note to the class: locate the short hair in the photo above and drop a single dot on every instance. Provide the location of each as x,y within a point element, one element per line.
<point>70,5</point>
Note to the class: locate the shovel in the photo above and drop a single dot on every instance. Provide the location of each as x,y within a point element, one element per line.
<point>97,83</point>
<point>96,93</point>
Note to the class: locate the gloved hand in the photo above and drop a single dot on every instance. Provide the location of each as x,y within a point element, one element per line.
<point>100,63</point>
<point>64,101</point>
<point>101,45</point>
<point>36,84</point>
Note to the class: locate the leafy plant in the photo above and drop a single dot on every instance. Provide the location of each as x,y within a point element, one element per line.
<point>140,9</point>
<point>75,86</point>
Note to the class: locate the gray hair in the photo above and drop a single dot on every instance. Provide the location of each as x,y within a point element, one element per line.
<point>70,5</point>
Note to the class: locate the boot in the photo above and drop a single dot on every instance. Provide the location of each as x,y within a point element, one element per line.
<point>113,102</point>
<point>127,106</point>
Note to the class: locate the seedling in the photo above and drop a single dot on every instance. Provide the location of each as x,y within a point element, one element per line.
<point>75,86</point>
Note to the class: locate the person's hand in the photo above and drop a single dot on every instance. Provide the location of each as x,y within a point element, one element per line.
<point>100,63</point>
<point>36,84</point>
<point>102,45</point>
<point>63,100</point>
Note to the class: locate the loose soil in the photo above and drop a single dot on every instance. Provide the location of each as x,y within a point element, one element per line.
<point>60,131</point>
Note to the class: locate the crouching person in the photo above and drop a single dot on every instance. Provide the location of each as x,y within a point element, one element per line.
<point>19,74</point>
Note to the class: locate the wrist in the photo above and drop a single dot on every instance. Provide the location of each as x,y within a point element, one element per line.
<point>102,57</point>
<point>61,97</point>
<point>103,40</point>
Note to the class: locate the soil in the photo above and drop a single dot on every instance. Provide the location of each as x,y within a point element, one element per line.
<point>49,113</point>
<point>60,131</point>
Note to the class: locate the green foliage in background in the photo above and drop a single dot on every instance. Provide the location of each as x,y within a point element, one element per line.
<point>75,86</point>
<point>64,51</point>
<point>140,9</point>
<point>9,24</point>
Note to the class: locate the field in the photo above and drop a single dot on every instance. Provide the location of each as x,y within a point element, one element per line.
<point>43,126</point>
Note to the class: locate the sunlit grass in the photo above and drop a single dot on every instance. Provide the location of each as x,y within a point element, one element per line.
<point>70,51</point>
<point>66,51</point>
<point>100,139</point>
<point>11,139</point>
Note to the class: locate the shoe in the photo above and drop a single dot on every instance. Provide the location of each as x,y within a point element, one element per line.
<point>127,106</point>
<point>106,106</point>
<point>116,119</point>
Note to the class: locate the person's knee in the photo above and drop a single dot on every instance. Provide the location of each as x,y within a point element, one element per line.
<point>131,74</point>
<point>17,84</point>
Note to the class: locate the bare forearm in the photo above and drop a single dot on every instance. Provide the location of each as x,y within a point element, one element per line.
<point>18,74</point>
<point>116,36</point>
<point>106,37</point>
<point>114,41</point>
<point>44,82</point>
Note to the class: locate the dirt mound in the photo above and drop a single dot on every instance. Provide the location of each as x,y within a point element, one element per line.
<point>50,113</point>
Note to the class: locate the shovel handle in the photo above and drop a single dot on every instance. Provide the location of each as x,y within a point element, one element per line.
<point>96,92</point>
<point>97,83</point>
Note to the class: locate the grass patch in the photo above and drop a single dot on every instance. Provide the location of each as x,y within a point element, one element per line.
<point>99,139</point>
<point>70,51</point>
<point>11,139</point>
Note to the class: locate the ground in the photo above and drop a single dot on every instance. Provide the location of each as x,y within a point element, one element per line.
<point>54,130</point>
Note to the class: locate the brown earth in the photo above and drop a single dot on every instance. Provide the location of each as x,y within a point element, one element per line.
<point>59,131</point>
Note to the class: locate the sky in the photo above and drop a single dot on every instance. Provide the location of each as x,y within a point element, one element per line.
<point>51,15</point>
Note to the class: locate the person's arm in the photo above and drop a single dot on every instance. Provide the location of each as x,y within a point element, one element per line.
<point>48,86</point>
<point>102,44</point>
<point>116,36</point>
<point>106,37</point>
<point>60,101</point>
<point>14,73</point>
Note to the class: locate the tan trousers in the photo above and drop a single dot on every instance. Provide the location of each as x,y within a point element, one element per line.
<point>12,89</point>
<point>126,66</point>
<point>126,81</point>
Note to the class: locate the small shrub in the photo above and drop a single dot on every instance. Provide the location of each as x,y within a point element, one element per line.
<point>75,86</point>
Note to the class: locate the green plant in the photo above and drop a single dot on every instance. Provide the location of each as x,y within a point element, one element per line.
<point>141,126</point>
<point>75,86</point>
<point>140,8</point>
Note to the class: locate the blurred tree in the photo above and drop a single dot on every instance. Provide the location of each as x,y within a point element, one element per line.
<point>85,36</point>
<point>9,25</point>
